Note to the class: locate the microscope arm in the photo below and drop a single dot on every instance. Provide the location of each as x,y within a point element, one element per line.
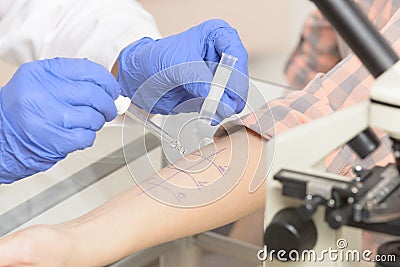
<point>359,34</point>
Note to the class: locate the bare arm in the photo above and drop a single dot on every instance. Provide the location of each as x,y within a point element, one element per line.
<point>134,220</point>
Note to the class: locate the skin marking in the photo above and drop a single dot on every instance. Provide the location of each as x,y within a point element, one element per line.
<point>157,182</point>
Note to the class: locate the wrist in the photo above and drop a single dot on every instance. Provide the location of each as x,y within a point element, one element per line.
<point>86,240</point>
<point>78,248</point>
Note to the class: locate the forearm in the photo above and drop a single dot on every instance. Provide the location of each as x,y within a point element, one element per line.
<point>134,220</point>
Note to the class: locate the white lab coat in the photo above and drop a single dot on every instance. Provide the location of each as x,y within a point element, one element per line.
<point>93,29</point>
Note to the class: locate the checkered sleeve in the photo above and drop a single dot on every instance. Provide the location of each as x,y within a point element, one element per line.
<point>316,52</point>
<point>320,48</point>
<point>346,84</point>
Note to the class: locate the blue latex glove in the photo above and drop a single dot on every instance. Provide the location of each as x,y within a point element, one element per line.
<point>51,108</point>
<point>199,46</point>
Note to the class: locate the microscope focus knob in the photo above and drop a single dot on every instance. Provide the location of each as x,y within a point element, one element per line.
<point>310,207</point>
<point>338,218</point>
<point>288,231</point>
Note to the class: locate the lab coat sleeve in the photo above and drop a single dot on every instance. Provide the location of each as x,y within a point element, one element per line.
<point>93,29</point>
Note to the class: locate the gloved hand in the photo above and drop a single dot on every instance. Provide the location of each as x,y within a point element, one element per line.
<point>51,108</point>
<point>175,82</point>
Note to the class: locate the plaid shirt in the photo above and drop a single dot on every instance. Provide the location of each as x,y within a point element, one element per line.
<point>345,84</point>
<point>333,79</point>
<point>320,48</point>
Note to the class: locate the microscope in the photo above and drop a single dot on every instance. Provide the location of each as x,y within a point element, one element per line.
<point>310,209</point>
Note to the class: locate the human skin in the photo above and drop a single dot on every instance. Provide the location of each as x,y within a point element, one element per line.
<point>136,220</point>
